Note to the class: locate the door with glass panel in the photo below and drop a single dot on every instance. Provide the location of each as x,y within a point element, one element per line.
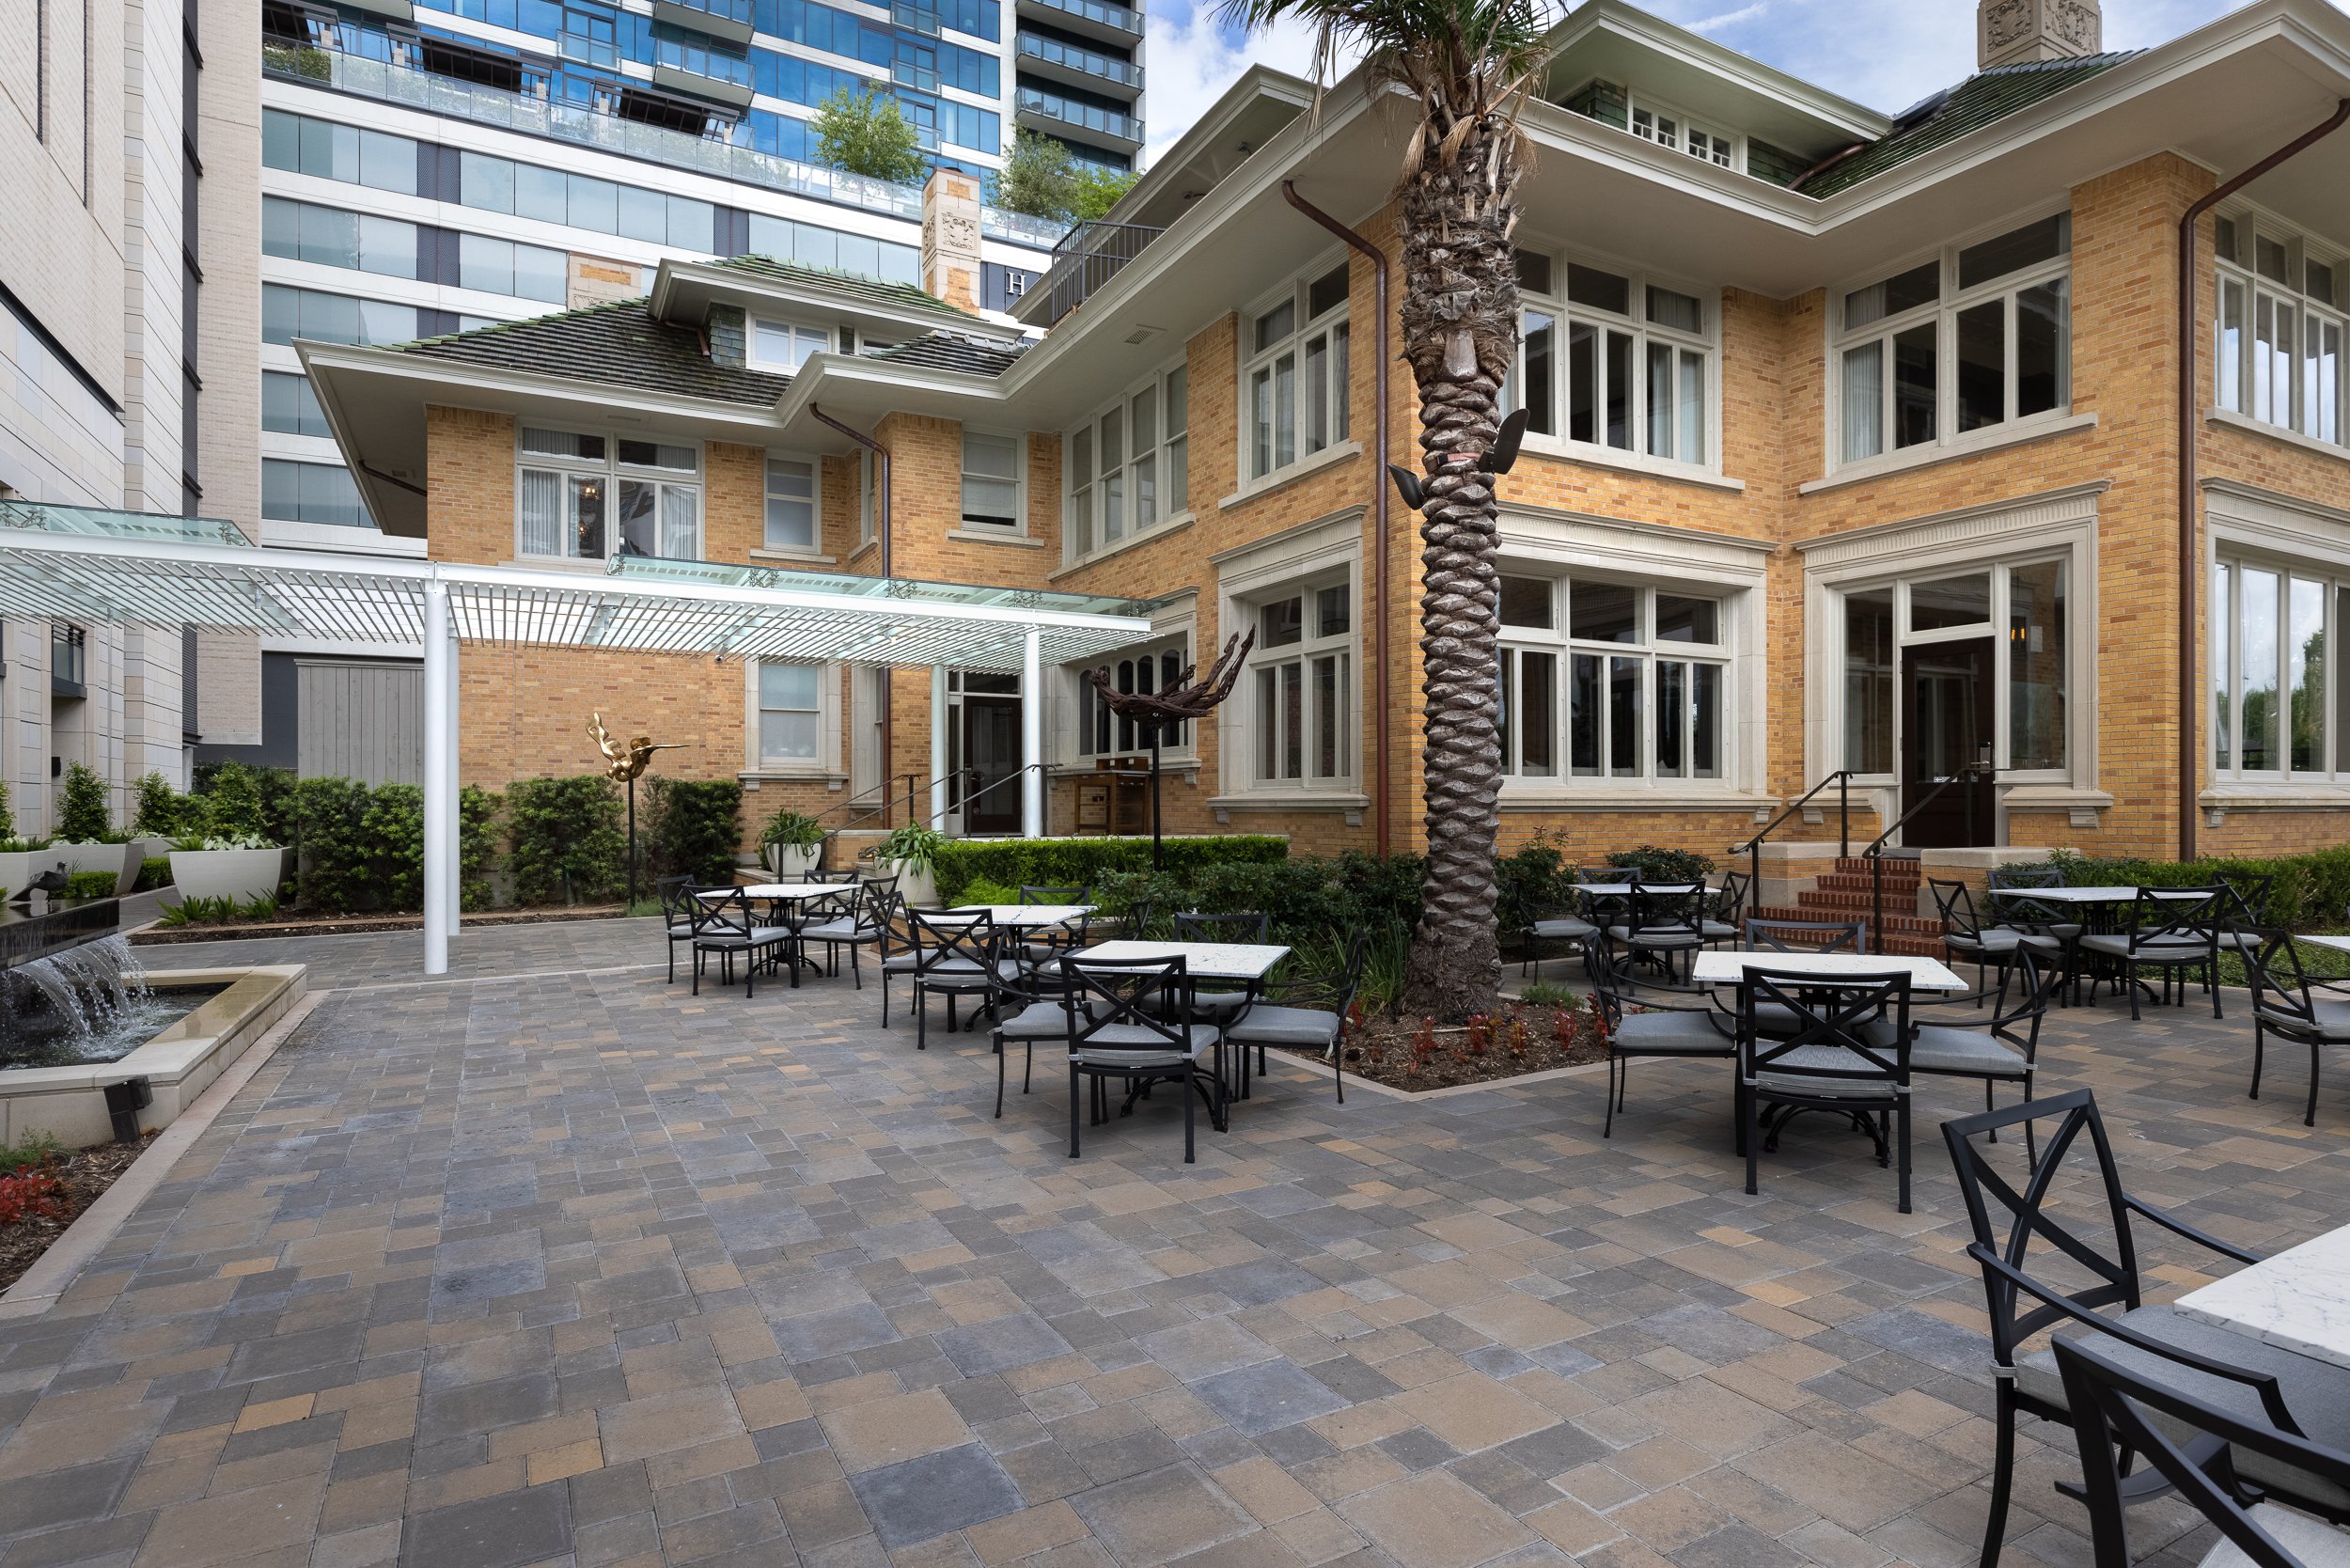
<point>1946,739</point>
<point>983,753</point>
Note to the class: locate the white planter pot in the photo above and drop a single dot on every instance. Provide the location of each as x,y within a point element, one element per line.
<point>18,869</point>
<point>241,874</point>
<point>793,862</point>
<point>121,861</point>
<point>914,883</point>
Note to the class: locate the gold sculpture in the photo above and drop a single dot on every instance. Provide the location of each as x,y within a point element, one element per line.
<point>626,764</point>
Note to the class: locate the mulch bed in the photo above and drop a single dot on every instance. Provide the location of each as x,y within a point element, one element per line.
<point>82,1175</point>
<point>1402,1053</point>
<point>347,925</point>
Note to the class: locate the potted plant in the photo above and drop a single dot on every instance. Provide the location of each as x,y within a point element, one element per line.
<point>22,859</point>
<point>239,868</point>
<point>793,842</point>
<point>910,853</point>
<point>85,840</point>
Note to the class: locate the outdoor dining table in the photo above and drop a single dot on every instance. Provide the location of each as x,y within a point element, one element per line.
<point>1728,965</point>
<point>2093,895</point>
<point>2296,1300</point>
<point>1219,961</point>
<point>2340,944</point>
<point>1026,917</point>
<point>778,894</point>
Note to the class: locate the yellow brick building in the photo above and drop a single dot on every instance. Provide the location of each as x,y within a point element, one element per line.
<point>1854,453</point>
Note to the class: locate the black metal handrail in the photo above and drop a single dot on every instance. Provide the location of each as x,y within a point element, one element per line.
<point>1971,775</point>
<point>1087,257</point>
<point>1753,847</point>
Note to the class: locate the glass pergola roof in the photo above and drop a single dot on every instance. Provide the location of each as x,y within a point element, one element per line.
<point>134,567</point>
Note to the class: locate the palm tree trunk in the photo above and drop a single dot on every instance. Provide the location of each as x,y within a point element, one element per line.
<point>1459,318</point>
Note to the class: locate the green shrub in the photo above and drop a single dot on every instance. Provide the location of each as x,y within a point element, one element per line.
<point>163,811</point>
<point>478,843</point>
<point>247,803</point>
<point>81,815</point>
<point>915,845</point>
<point>2309,892</point>
<point>1663,865</point>
<point>7,814</point>
<point>154,871</point>
<point>1086,862</point>
<point>1534,882</point>
<point>334,870</point>
<point>90,885</point>
<point>982,891</point>
<point>794,829</point>
<point>568,846</point>
<point>205,912</point>
<point>697,826</point>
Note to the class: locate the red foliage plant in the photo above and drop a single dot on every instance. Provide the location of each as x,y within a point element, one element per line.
<point>1517,1033</point>
<point>32,1193</point>
<point>1481,1034</point>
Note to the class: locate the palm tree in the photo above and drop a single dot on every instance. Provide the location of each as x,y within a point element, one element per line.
<point>1468,64</point>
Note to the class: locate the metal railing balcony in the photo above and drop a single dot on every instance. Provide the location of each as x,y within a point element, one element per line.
<point>1080,117</point>
<point>1087,257</point>
<point>1052,52</point>
<point>914,18</point>
<point>1101,13</point>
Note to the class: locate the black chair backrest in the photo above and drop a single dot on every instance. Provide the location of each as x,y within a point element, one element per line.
<point>1350,980</point>
<point>1955,902</point>
<point>2272,967</point>
<point>847,876</point>
<point>2026,988</point>
<point>719,911</point>
<point>1668,912</point>
<point>1803,1010</point>
<point>1608,876</point>
<point>1055,895</point>
<point>2023,1217</point>
<point>1119,993</point>
<point>2112,1404</point>
<point>1604,991</point>
<point>939,940</point>
<point>1011,987</point>
<point>876,901</point>
<point>676,894</point>
<point>2027,876</point>
<point>1729,899</point>
<point>1808,937</point>
<point>2179,916</point>
<point>1222,928</point>
<point>2248,895</point>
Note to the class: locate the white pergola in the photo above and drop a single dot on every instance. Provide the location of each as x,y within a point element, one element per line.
<point>135,567</point>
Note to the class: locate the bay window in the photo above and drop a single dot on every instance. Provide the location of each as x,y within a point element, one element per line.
<point>1301,681</point>
<point>1978,337</point>
<point>2277,706</point>
<point>1127,469</point>
<point>1296,380</point>
<point>1613,359</point>
<point>2279,355</point>
<point>793,490</point>
<point>586,496</point>
<point>1606,679</point>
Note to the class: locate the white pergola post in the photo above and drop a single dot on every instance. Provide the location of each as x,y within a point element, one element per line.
<point>938,745</point>
<point>440,774</point>
<point>1032,735</point>
<point>455,847</point>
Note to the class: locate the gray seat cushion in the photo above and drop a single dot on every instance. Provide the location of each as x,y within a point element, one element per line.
<point>1307,1028</point>
<point>1826,1058</point>
<point>2116,944</point>
<point>1218,1004</point>
<point>1565,928</point>
<point>1719,931</point>
<point>1132,1045</point>
<point>757,938</point>
<point>2315,1542</point>
<point>2316,1393</point>
<point>1941,1049</point>
<point>898,964</point>
<point>2332,1021</point>
<point>1036,1021</point>
<point>1655,936</point>
<point>1669,1034</point>
<point>1999,940</point>
<point>840,930</point>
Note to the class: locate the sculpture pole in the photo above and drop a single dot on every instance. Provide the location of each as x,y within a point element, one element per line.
<point>625,764</point>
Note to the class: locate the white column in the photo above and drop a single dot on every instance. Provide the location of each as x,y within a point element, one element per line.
<point>439,801</point>
<point>938,745</point>
<point>1032,735</point>
<point>455,848</point>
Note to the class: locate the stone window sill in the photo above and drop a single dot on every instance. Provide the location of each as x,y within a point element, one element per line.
<point>2230,419</point>
<point>1282,478</point>
<point>1584,456</point>
<point>1969,446</point>
<point>1156,531</point>
<point>1019,540</point>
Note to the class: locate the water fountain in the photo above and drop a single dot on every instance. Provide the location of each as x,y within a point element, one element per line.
<point>94,1045</point>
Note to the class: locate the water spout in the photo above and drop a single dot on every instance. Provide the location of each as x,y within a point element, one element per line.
<point>83,998</point>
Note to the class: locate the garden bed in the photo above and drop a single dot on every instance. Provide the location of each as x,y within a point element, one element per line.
<point>79,1176</point>
<point>1413,1055</point>
<point>347,925</point>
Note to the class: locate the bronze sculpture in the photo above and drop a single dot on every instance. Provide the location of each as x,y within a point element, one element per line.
<point>1179,699</point>
<point>625,764</point>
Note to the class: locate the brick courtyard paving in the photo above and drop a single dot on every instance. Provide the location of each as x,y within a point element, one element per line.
<point>548,1264</point>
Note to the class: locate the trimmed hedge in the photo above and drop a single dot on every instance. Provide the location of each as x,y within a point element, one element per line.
<point>1073,862</point>
<point>570,845</point>
<point>694,828</point>
<point>2309,892</point>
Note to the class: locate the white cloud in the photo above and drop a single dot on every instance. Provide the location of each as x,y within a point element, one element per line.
<point>1191,60</point>
<point>1728,18</point>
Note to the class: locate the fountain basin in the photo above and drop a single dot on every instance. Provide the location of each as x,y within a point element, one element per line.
<point>178,1064</point>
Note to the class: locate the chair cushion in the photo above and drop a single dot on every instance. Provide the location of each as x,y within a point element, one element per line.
<point>2317,1392</point>
<point>2331,1021</point>
<point>1036,1021</point>
<point>1565,926</point>
<point>1655,936</point>
<point>840,930</point>
<point>1132,1045</point>
<point>2315,1542</point>
<point>1309,1028</point>
<point>1945,1048</point>
<point>757,936</point>
<point>1719,931</point>
<point>1682,1033</point>
<point>1825,1059</point>
<point>898,964</point>
<point>2116,944</point>
<point>1218,1004</point>
<point>1997,940</point>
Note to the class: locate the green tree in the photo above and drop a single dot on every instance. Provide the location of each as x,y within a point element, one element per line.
<point>1040,178</point>
<point>1098,190</point>
<point>1466,67</point>
<point>861,131</point>
<point>82,816</point>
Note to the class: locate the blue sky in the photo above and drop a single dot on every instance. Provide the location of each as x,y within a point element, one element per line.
<point>1905,49</point>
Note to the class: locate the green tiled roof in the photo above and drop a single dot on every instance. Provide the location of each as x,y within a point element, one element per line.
<point>619,344</point>
<point>1982,99</point>
<point>902,296</point>
<point>954,350</point>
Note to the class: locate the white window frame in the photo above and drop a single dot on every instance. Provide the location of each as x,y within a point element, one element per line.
<point>1018,526</point>
<point>827,763</point>
<point>1942,313</point>
<point>1314,647</point>
<point>815,545</point>
<point>1092,718</point>
<point>825,339</point>
<point>1332,327</point>
<point>612,473</point>
<point>2314,392</point>
<point>1086,505</point>
<point>2225,653</point>
<point>1722,149</point>
<point>1564,316</point>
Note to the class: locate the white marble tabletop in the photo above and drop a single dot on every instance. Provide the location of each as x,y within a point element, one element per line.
<point>2298,1299</point>
<point>2093,895</point>
<point>1205,960</point>
<point>1727,965</point>
<point>1625,890</point>
<point>1025,914</point>
<point>2340,944</point>
<point>779,891</point>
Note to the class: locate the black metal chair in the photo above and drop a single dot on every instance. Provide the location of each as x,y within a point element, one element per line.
<point>1050,942</point>
<point>863,924</point>
<point>2001,1049</point>
<point>1659,923</point>
<point>1726,909</point>
<point>2214,1363</point>
<point>1965,937</point>
<point>1829,1060</point>
<point>2247,908</point>
<point>2172,933</point>
<point>1029,1004</point>
<point>1305,1028</point>
<point>2285,1003</point>
<point>2038,917</point>
<point>1684,1028</point>
<point>724,924</point>
<point>1558,925</point>
<point>1121,1035</point>
<point>954,956</point>
<point>2200,1451</point>
<point>676,894</point>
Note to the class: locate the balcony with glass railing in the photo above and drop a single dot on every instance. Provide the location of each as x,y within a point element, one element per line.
<point>1086,15</point>
<point>1050,110</point>
<point>1088,67</point>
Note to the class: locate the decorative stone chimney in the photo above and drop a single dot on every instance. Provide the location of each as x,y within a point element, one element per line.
<point>2010,32</point>
<point>950,238</point>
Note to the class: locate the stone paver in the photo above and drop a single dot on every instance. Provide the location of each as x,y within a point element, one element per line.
<point>549,1263</point>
